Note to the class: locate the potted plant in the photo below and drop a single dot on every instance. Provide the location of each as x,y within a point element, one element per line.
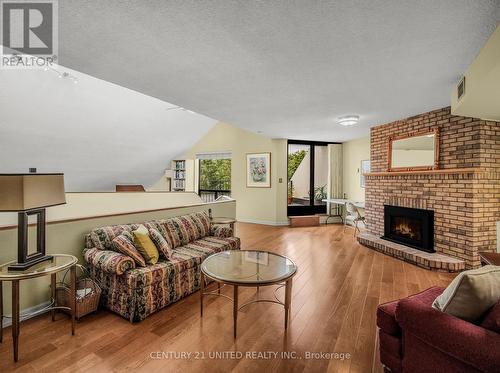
<point>291,191</point>
<point>320,193</point>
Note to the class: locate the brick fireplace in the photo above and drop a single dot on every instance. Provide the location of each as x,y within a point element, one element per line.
<point>464,193</point>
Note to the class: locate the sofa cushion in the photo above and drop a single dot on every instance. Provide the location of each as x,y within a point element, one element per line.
<point>145,276</point>
<point>124,243</point>
<point>158,285</point>
<point>108,261</point>
<point>161,243</point>
<point>233,243</point>
<point>183,258</point>
<point>471,293</point>
<point>102,237</point>
<point>177,231</point>
<point>204,247</point>
<point>145,245</point>
<point>492,319</point>
<point>386,313</point>
<point>221,231</point>
<point>184,229</point>
<point>160,226</point>
<point>386,318</point>
<point>202,224</point>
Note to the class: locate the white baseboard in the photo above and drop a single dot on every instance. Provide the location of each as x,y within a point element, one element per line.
<point>264,222</point>
<point>27,313</point>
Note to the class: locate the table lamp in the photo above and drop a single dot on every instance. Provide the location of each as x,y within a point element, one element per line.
<point>29,195</point>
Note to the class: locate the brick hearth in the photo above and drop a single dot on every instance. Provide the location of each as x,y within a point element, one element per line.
<point>421,258</point>
<point>466,204</point>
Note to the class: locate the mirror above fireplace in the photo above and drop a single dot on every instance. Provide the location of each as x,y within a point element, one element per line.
<point>414,151</point>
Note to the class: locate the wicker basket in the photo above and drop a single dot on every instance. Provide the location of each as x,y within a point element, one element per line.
<point>86,302</point>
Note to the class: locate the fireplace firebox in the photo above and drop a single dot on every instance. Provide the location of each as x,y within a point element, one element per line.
<point>410,227</point>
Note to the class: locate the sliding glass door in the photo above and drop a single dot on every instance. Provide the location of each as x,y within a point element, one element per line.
<point>307,177</point>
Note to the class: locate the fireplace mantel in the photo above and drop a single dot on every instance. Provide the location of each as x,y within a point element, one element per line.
<point>427,172</point>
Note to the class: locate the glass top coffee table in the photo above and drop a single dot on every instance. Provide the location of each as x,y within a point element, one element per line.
<point>248,268</point>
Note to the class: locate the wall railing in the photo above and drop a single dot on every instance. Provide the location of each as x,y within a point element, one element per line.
<point>211,195</point>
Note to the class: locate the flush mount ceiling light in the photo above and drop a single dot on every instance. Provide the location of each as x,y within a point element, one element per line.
<point>348,120</point>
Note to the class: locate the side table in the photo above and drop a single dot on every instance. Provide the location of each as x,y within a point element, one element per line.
<point>224,221</point>
<point>490,258</point>
<point>58,263</point>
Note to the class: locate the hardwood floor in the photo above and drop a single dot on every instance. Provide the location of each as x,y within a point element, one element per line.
<point>335,294</point>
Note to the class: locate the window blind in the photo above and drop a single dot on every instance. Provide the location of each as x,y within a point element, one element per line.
<point>214,155</point>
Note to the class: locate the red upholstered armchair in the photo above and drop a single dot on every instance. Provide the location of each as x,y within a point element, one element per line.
<point>414,337</point>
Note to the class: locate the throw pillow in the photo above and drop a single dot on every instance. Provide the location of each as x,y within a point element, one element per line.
<point>471,293</point>
<point>161,243</point>
<point>124,243</point>
<point>145,246</point>
<point>492,319</point>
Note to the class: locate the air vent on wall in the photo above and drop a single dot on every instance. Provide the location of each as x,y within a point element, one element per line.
<point>461,88</point>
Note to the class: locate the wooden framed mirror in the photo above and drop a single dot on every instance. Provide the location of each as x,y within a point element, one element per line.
<point>416,151</point>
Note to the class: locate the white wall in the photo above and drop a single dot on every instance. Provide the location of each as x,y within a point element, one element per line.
<point>482,84</point>
<point>353,153</point>
<point>257,205</point>
<point>98,133</point>
<point>302,178</point>
<point>84,205</point>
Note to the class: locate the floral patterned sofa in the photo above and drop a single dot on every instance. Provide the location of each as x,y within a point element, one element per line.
<point>136,292</point>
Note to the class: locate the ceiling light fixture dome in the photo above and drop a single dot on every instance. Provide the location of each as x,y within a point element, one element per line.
<point>348,120</point>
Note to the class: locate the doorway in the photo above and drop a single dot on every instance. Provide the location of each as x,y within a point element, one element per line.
<point>307,177</point>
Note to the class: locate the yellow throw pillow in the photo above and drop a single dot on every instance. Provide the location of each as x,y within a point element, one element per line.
<point>145,246</point>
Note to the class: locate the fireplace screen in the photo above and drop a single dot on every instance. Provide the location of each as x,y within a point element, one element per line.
<point>410,227</point>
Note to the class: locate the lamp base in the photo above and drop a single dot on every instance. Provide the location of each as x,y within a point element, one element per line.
<point>25,260</point>
<point>28,264</point>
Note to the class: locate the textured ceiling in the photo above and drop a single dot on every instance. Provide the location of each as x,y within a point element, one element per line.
<point>285,68</point>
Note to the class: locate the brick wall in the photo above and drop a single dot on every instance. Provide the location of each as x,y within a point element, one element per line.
<point>466,205</point>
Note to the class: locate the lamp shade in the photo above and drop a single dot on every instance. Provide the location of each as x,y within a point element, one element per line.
<point>20,192</point>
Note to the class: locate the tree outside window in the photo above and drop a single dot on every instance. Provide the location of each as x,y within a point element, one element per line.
<point>215,174</point>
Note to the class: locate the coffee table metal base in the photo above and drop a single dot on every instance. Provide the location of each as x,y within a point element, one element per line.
<point>286,304</point>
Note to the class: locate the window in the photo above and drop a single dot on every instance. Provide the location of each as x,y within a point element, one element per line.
<point>214,176</point>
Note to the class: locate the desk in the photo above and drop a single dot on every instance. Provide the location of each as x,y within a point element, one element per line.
<point>58,263</point>
<point>341,202</point>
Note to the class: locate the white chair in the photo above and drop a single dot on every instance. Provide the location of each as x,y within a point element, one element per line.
<point>353,215</point>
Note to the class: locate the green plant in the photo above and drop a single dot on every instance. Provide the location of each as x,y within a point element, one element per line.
<point>294,160</point>
<point>291,190</point>
<point>215,174</point>
<point>320,193</point>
